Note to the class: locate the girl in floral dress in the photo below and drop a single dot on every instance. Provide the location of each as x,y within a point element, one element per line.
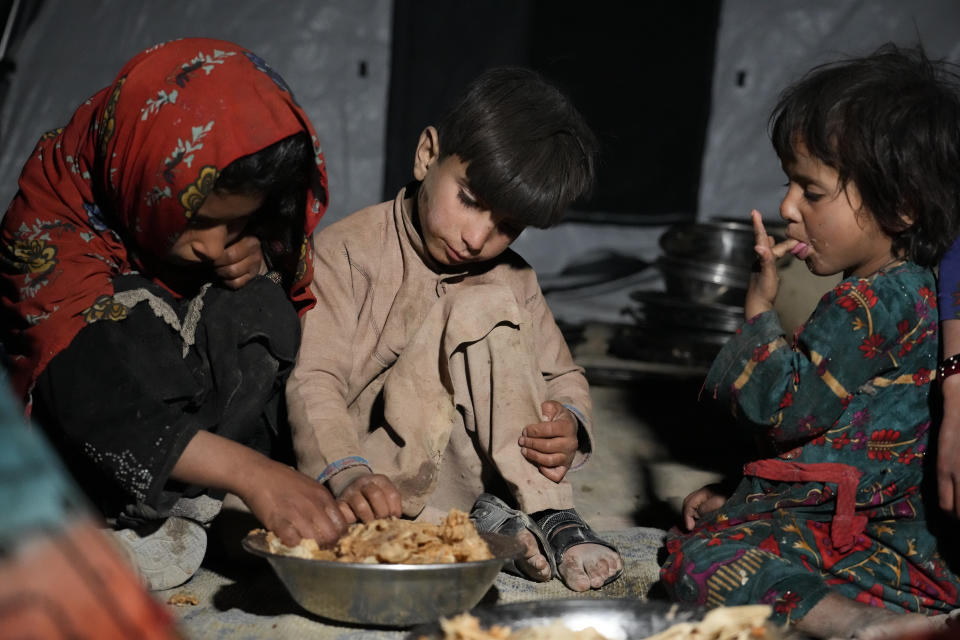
<point>829,527</point>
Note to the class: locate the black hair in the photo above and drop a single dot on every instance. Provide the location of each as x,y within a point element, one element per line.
<point>888,122</point>
<point>281,173</point>
<point>529,152</point>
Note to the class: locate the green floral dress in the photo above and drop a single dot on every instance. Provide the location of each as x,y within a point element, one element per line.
<point>844,414</point>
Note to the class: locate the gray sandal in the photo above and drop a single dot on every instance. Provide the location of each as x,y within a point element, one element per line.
<point>565,528</point>
<point>490,514</point>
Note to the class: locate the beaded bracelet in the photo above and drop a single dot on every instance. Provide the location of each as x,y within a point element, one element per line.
<point>948,367</point>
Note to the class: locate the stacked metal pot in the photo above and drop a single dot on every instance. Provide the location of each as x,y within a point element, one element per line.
<point>707,262</point>
<point>706,270</point>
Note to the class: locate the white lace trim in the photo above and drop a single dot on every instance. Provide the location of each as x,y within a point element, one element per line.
<point>161,309</point>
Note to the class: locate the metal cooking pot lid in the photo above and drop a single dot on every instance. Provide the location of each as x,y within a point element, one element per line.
<point>658,308</point>
<point>715,272</point>
<point>663,300</point>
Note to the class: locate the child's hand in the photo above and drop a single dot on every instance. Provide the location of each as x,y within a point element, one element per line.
<point>287,502</point>
<point>701,502</point>
<point>551,444</point>
<point>294,506</point>
<point>240,262</point>
<point>371,496</point>
<point>764,282</point>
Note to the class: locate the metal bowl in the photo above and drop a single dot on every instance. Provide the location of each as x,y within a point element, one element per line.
<point>391,595</point>
<point>614,619</point>
<point>774,226</point>
<point>704,282</point>
<point>721,241</point>
<point>690,349</point>
<point>661,310</point>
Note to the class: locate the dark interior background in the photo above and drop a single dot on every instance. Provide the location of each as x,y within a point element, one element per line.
<point>630,68</point>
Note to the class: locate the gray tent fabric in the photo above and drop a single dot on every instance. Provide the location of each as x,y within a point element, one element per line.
<point>334,54</point>
<point>762,46</point>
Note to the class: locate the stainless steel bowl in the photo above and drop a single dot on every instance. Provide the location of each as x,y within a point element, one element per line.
<point>614,619</point>
<point>675,330</point>
<point>391,595</point>
<point>661,310</point>
<point>704,282</point>
<point>693,350</point>
<point>721,241</point>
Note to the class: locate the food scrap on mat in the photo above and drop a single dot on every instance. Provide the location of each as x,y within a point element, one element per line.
<point>183,599</point>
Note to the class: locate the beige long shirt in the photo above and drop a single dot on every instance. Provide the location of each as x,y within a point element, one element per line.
<point>374,283</point>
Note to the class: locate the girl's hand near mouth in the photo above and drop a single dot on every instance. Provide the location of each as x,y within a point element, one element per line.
<point>764,281</point>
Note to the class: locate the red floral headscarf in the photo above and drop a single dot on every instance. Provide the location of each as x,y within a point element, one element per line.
<point>135,162</point>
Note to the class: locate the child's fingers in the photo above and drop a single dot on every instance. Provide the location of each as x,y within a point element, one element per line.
<point>554,473</point>
<point>759,231</point>
<point>382,496</point>
<point>362,508</point>
<point>346,512</point>
<point>378,502</point>
<point>327,525</point>
<point>783,248</point>
<point>766,264</point>
<point>552,429</point>
<point>689,508</point>
<point>763,246</point>
<point>246,247</point>
<point>762,239</point>
<point>552,443</point>
<point>551,409</point>
<point>558,444</point>
<point>288,533</point>
<point>544,459</point>
<point>394,501</point>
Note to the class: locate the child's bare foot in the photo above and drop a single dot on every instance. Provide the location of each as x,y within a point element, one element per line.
<point>589,566</point>
<point>584,561</point>
<point>490,514</point>
<point>533,564</point>
<point>839,617</point>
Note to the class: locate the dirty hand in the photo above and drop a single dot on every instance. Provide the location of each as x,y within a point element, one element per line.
<point>293,505</point>
<point>764,281</point>
<point>240,262</point>
<point>699,503</point>
<point>551,444</point>
<point>370,496</point>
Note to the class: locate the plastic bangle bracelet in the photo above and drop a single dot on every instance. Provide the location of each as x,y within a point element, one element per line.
<point>948,367</point>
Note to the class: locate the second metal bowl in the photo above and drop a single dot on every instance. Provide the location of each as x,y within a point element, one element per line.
<point>704,282</point>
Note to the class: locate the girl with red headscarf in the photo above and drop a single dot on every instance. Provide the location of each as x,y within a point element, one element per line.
<point>136,326</point>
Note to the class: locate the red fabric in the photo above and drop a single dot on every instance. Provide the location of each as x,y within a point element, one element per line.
<point>846,524</point>
<point>119,182</point>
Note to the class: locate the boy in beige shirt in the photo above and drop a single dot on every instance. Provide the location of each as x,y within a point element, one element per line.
<point>431,352</point>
